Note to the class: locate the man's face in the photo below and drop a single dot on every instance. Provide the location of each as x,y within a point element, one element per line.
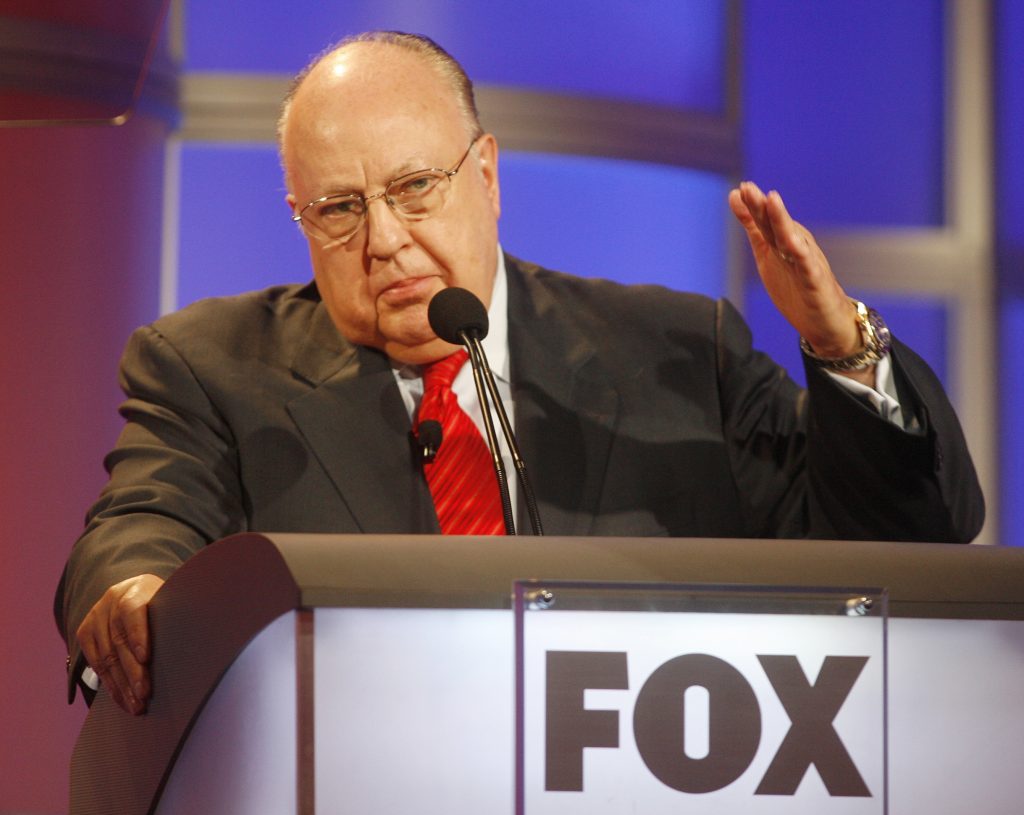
<point>362,118</point>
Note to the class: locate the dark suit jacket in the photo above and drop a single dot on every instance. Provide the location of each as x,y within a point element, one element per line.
<point>640,411</point>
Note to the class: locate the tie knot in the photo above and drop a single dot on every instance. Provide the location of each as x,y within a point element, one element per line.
<point>442,373</point>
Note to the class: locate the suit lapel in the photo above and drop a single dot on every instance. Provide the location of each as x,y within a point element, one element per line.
<point>355,422</point>
<point>566,407</point>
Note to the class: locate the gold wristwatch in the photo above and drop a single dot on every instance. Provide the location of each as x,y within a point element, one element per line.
<point>877,343</point>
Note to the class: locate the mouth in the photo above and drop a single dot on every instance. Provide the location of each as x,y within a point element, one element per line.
<point>408,290</point>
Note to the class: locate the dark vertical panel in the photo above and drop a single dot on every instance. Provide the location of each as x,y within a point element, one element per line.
<point>843,111</point>
<point>1008,35</point>
<point>843,108</point>
<point>1012,425</point>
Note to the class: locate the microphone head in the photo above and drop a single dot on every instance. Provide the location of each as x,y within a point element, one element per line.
<point>453,311</point>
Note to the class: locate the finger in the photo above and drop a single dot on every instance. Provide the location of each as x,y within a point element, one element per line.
<point>757,204</point>
<point>135,673</point>
<point>742,213</point>
<point>792,243</point>
<point>135,618</point>
<point>99,652</point>
<point>113,678</point>
<point>740,210</point>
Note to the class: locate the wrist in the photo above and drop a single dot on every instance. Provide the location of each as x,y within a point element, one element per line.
<point>876,341</point>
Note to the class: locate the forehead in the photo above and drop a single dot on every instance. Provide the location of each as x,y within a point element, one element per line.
<point>368,113</point>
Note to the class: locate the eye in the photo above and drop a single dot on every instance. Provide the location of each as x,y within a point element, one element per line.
<point>415,186</point>
<point>337,208</point>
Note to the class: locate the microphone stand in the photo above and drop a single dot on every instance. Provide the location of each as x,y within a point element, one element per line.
<point>478,359</point>
<point>479,362</point>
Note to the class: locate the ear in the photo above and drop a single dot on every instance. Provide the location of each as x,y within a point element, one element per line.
<point>487,150</point>
<point>289,201</point>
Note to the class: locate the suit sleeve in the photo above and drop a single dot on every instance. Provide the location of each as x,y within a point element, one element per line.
<point>870,479</point>
<point>173,485</point>
<point>821,463</point>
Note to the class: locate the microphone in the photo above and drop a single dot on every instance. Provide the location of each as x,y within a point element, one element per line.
<point>457,316</point>
<point>428,439</point>
<point>453,312</point>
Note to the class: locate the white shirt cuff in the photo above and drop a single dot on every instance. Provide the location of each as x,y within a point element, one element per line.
<point>882,397</point>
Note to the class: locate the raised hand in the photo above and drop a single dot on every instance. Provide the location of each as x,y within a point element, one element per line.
<point>796,273</point>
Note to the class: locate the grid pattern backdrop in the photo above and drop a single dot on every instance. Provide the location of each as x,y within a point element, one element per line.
<point>891,128</point>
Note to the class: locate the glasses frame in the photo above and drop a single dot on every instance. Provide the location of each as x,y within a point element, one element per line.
<point>310,227</point>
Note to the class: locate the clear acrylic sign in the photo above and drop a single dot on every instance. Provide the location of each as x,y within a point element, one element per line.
<point>700,699</point>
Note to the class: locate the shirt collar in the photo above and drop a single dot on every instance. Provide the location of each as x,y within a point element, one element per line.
<point>496,341</point>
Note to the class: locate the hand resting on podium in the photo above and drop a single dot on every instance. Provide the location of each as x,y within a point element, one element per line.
<point>114,637</point>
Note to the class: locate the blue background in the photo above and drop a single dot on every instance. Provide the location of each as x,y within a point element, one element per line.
<point>842,110</point>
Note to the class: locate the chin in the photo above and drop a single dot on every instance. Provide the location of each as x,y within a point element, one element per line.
<point>409,329</point>
<point>419,353</point>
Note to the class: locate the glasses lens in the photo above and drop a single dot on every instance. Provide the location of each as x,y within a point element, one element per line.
<point>337,216</point>
<point>419,195</point>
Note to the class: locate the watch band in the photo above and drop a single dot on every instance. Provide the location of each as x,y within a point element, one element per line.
<point>875,335</point>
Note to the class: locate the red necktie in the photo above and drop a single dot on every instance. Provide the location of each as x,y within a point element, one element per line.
<point>461,476</point>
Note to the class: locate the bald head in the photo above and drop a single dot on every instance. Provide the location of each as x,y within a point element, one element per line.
<point>433,59</point>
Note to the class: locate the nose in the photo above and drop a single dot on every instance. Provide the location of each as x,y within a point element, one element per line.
<point>386,233</point>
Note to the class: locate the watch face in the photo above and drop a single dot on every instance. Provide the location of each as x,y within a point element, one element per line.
<point>883,337</point>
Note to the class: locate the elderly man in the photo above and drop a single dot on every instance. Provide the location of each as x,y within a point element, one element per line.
<point>641,411</point>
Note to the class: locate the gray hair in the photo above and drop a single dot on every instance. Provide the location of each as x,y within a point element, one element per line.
<point>444,63</point>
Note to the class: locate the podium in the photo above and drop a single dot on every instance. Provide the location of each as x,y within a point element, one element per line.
<point>334,674</point>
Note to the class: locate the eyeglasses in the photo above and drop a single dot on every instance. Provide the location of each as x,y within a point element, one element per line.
<point>413,197</point>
